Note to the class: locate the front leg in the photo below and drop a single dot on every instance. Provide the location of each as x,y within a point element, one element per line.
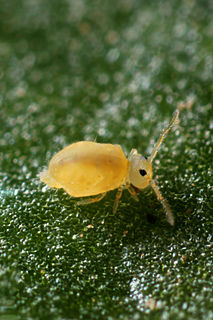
<point>117,198</point>
<point>132,191</point>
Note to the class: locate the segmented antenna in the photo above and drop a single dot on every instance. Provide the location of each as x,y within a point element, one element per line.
<point>163,135</point>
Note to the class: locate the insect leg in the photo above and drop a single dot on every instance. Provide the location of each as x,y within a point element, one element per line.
<point>164,203</point>
<point>132,192</point>
<point>117,198</point>
<point>91,200</point>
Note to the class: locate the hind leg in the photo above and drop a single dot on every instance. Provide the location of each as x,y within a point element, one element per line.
<point>91,200</point>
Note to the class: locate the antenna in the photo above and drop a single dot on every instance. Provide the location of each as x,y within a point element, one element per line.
<point>163,136</point>
<point>169,214</point>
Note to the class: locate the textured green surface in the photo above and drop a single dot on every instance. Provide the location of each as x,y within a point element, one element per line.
<point>113,71</point>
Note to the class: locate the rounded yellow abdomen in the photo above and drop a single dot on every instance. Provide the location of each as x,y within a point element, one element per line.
<point>87,168</point>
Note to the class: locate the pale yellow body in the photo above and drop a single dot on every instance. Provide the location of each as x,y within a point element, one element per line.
<point>87,168</point>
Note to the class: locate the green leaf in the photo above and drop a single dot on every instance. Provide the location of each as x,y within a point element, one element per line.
<point>114,72</point>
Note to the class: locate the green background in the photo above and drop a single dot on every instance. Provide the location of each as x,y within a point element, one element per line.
<point>110,71</point>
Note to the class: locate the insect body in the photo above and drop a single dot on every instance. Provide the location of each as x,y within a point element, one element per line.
<point>88,168</point>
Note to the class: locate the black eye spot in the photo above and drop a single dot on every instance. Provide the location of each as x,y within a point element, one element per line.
<point>142,172</point>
